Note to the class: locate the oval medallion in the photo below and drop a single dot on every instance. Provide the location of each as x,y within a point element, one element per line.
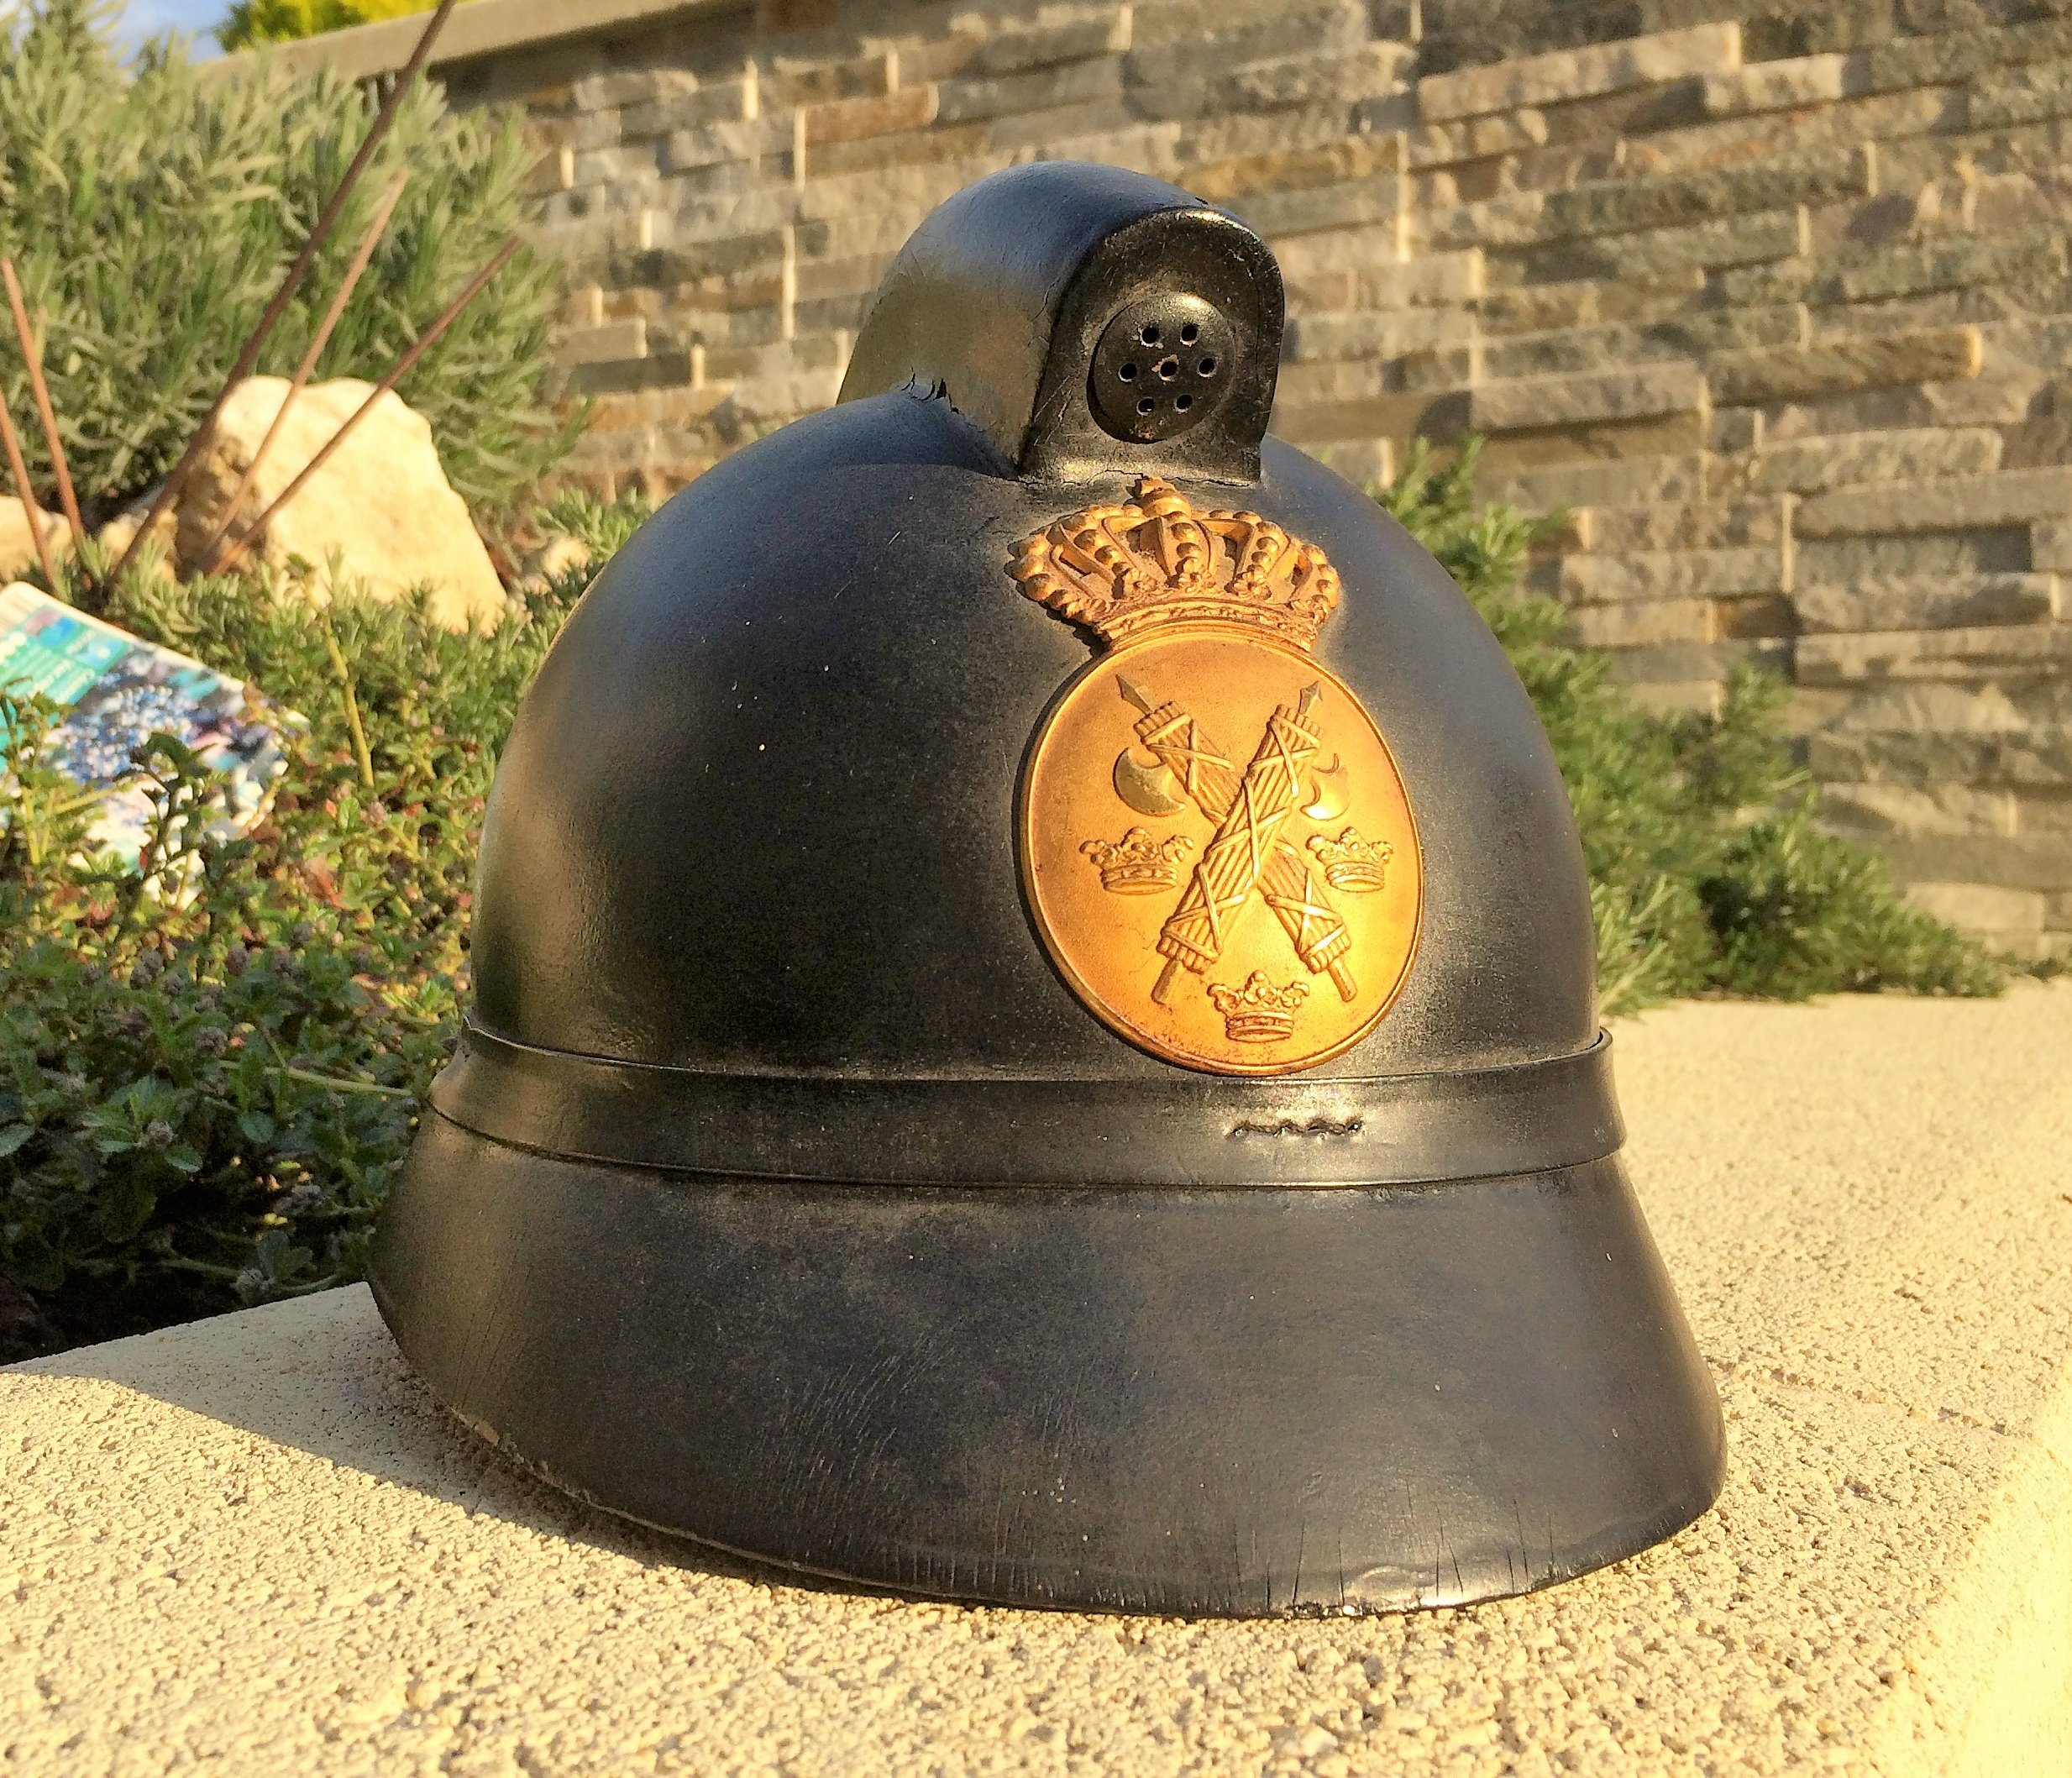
<point>1215,840</point>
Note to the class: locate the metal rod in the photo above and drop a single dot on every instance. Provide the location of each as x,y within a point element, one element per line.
<point>308,365</point>
<point>169,490</point>
<point>237,548</point>
<point>30,511</point>
<point>32,356</point>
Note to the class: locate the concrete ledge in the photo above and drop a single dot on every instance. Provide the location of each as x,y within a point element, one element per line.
<point>254,1545</point>
<point>477,28</point>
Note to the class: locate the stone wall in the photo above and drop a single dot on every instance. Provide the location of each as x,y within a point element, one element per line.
<point>1773,296</point>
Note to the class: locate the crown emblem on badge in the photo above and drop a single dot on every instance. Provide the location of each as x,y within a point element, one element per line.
<point>1121,570</point>
<point>1137,864</point>
<point>1358,866</point>
<point>1259,1012</point>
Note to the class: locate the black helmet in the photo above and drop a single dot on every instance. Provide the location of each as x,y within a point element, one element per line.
<point>1034,1035</point>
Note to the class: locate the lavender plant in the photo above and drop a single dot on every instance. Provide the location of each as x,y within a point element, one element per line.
<point>152,210</point>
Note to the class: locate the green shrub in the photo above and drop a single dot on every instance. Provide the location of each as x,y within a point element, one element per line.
<point>153,212</point>
<point>210,1065</point>
<point>255,22</point>
<point>1707,870</point>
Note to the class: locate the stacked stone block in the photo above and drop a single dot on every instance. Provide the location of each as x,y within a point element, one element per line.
<point>1773,298</point>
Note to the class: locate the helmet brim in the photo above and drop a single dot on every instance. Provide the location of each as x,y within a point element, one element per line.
<point>1246,1403</point>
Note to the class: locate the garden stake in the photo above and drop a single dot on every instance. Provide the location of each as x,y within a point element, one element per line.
<point>229,554</point>
<point>308,365</point>
<point>29,508</point>
<point>169,491</point>
<point>37,387</point>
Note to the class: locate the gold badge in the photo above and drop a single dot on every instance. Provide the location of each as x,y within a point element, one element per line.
<point>1215,839</point>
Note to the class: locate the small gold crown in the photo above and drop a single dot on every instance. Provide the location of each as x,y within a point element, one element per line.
<point>1259,1012</point>
<point>1121,570</point>
<point>1137,864</point>
<point>1357,866</point>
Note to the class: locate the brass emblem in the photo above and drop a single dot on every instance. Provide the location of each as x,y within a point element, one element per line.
<point>1178,882</point>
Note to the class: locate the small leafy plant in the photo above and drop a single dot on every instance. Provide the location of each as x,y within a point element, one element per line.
<point>212,1061</point>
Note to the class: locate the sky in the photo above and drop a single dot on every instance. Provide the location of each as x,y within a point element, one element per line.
<point>141,18</point>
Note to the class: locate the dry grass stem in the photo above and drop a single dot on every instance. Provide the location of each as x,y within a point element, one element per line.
<point>307,369</point>
<point>248,358</point>
<point>32,356</point>
<point>227,556</point>
<point>30,511</point>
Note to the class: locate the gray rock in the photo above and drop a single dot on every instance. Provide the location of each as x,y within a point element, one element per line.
<point>1640,393</point>
<point>1956,503</point>
<point>1810,465</point>
<point>1576,74</point>
<point>1937,603</point>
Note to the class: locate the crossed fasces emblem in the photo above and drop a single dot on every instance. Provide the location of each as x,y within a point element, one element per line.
<point>1250,853</point>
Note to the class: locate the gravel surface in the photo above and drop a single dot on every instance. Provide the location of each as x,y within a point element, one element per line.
<point>254,1545</point>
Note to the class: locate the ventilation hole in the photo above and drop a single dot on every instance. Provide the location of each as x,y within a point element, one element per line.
<point>1146,355</point>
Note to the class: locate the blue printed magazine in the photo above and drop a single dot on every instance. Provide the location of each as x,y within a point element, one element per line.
<point>116,691</point>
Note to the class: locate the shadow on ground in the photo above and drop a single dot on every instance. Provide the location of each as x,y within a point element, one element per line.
<point>323,1376</point>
